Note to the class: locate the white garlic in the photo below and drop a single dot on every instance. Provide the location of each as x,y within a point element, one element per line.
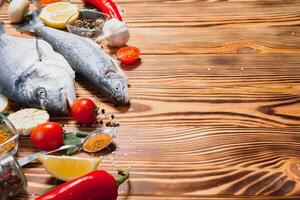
<point>115,32</point>
<point>17,9</point>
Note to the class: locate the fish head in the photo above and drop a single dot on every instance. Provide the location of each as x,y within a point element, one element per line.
<point>51,90</point>
<point>119,92</point>
<point>51,97</point>
<point>115,86</point>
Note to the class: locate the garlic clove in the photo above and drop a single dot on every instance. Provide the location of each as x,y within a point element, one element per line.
<point>17,9</point>
<point>115,32</point>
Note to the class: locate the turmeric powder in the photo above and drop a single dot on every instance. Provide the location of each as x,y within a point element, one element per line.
<point>4,136</point>
<point>97,142</point>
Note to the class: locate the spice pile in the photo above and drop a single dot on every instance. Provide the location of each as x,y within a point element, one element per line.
<point>4,136</point>
<point>89,23</point>
<point>97,142</point>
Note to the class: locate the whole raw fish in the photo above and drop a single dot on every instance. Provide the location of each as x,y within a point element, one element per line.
<point>87,58</point>
<point>34,75</point>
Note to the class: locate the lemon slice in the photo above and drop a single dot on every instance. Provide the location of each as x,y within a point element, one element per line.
<point>57,14</point>
<point>66,168</point>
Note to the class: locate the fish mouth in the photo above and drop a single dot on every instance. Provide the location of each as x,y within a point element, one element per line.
<point>63,106</point>
<point>121,100</point>
<point>126,100</point>
<point>68,100</point>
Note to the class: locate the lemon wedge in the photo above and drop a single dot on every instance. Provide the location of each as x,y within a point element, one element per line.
<point>66,168</point>
<point>57,14</point>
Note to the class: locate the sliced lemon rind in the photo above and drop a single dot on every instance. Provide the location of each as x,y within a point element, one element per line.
<point>66,168</point>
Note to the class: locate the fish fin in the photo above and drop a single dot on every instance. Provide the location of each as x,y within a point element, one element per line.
<point>31,20</point>
<point>37,47</point>
<point>2,28</point>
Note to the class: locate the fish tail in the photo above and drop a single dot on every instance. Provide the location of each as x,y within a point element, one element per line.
<point>31,20</point>
<point>2,28</point>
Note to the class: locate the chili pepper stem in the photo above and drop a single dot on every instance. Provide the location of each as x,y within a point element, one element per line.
<point>124,177</point>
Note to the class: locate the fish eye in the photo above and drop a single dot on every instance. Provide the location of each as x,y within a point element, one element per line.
<point>41,93</point>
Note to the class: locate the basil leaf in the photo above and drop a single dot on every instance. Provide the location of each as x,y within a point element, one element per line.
<point>5,113</point>
<point>71,151</point>
<point>71,139</point>
<point>81,134</point>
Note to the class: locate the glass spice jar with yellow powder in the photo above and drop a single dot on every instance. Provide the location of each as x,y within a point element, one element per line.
<point>9,139</point>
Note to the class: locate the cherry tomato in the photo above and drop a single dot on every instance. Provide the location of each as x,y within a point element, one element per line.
<point>47,136</point>
<point>128,55</point>
<point>84,111</point>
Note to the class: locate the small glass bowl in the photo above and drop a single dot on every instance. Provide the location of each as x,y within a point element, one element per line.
<point>7,126</point>
<point>86,32</point>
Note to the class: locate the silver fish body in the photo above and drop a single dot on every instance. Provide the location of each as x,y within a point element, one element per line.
<point>88,59</point>
<point>40,79</point>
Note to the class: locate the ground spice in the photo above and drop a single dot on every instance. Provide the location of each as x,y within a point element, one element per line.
<point>4,136</point>
<point>89,23</point>
<point>97,142</point>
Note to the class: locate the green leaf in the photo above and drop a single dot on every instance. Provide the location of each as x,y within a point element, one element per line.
<point>5,113</point>
<point>81,134</point>
<point>71,139</point>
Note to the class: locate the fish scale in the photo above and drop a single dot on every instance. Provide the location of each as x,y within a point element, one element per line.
<point>24,76</point>
<point>87,58</point>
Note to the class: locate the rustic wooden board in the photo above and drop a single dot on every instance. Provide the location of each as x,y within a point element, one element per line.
<point>195,162</point>
<point>215,102</point>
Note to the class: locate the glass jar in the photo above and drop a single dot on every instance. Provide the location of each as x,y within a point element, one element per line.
<point>89,15</point>
<point>9,138</point>
<point>12,179</point>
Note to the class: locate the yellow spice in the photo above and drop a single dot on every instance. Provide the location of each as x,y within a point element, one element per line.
<point>4,136</point>
<point>97,142</point>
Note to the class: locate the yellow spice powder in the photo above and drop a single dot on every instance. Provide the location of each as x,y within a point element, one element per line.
<point>97,142</point>
<point>4,136</point>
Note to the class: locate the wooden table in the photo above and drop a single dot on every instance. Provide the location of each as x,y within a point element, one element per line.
<point>215,103</point>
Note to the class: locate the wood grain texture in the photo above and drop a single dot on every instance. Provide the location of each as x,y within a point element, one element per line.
<point>214,102</point>
<point>203,90</point>
<point>195,162</point>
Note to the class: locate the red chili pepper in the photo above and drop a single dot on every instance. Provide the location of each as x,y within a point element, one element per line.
<point>106,6</point>
<point>96,185</point>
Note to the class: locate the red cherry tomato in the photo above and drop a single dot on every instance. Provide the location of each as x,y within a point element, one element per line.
<point>128,55</point>
<point>84,111</point>
<point>47,136</point>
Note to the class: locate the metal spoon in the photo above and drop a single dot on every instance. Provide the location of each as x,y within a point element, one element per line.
<point>27,159</point>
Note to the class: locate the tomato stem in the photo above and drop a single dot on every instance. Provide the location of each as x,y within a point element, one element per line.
<point>124,177</point>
